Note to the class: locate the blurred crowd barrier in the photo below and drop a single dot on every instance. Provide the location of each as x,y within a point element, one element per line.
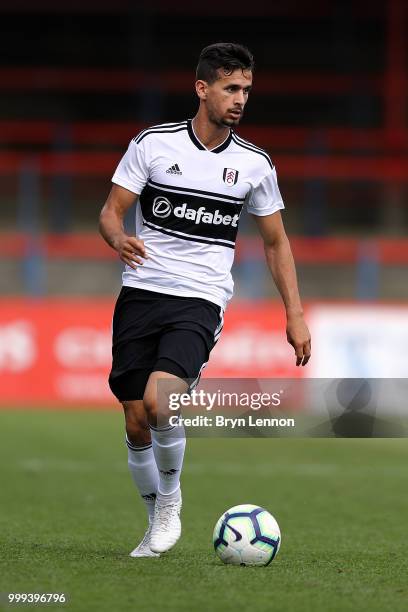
<point>353,267</point>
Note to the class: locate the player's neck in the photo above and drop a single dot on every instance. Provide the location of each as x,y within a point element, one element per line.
<point>209,134</point>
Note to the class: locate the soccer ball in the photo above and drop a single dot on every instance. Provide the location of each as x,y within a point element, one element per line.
<point>247,535</point>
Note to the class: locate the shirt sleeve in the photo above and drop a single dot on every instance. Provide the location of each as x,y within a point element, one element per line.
<point>132,171</point>
<point>265,198</point>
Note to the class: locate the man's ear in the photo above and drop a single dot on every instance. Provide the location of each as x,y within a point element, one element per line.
<point>201,89</point>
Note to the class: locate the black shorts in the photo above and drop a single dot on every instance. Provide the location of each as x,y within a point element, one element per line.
<point>160,332</point>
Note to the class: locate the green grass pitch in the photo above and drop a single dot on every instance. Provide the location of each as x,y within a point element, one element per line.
<point>70,515</point>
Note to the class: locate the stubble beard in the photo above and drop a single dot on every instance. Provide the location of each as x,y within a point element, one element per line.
<point>221,121</point>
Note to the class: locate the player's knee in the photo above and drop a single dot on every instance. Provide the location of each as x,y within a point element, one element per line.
<point>134,428</point>
<point>137,427</point>
<point>150,405</point>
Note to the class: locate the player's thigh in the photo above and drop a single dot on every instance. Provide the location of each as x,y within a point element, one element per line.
<point>184,353</point>
<point>130,385</point>
<point>135,335</point>
<point>192,328</point>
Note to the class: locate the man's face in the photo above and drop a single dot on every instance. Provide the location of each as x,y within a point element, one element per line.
<point>226,97</point>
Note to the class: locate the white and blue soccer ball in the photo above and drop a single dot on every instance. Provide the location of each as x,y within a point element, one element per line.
<point>247,535</point>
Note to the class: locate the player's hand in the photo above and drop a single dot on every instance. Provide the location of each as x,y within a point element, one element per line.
<point>131,251</point>
<point>298,336</point>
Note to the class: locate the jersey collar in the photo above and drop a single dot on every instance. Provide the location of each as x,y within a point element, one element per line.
<point>199,145</point>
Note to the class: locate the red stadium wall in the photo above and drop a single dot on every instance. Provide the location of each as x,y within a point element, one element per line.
<point>55,352</point>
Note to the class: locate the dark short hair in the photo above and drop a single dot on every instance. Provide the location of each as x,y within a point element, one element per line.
<point>228,56</point>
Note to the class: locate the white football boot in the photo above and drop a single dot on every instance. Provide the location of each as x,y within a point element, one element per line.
<point>166,527</point>
<point>143,549</point>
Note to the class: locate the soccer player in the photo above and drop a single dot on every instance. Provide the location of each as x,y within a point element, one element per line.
<point>191,180</point>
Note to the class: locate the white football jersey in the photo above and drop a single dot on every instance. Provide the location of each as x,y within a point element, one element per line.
<point>190,203</point>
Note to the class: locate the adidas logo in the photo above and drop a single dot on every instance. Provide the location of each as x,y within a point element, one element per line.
<point>149,497</point>
<point>174,169</point>
<point>168,472</point>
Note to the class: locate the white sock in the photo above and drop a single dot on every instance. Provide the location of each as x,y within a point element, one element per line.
<point>142,466</point>
<point>168,448</point>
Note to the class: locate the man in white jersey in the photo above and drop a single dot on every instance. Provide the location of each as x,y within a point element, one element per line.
<point>192,180</point>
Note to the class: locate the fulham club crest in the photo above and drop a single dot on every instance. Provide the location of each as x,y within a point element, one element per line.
<point>230,176</point>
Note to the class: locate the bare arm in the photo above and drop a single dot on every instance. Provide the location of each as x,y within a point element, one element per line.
<point>129,248</point>
<point>282,266</point>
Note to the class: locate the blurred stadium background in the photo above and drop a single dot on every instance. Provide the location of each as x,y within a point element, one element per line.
<point>78,80</point>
